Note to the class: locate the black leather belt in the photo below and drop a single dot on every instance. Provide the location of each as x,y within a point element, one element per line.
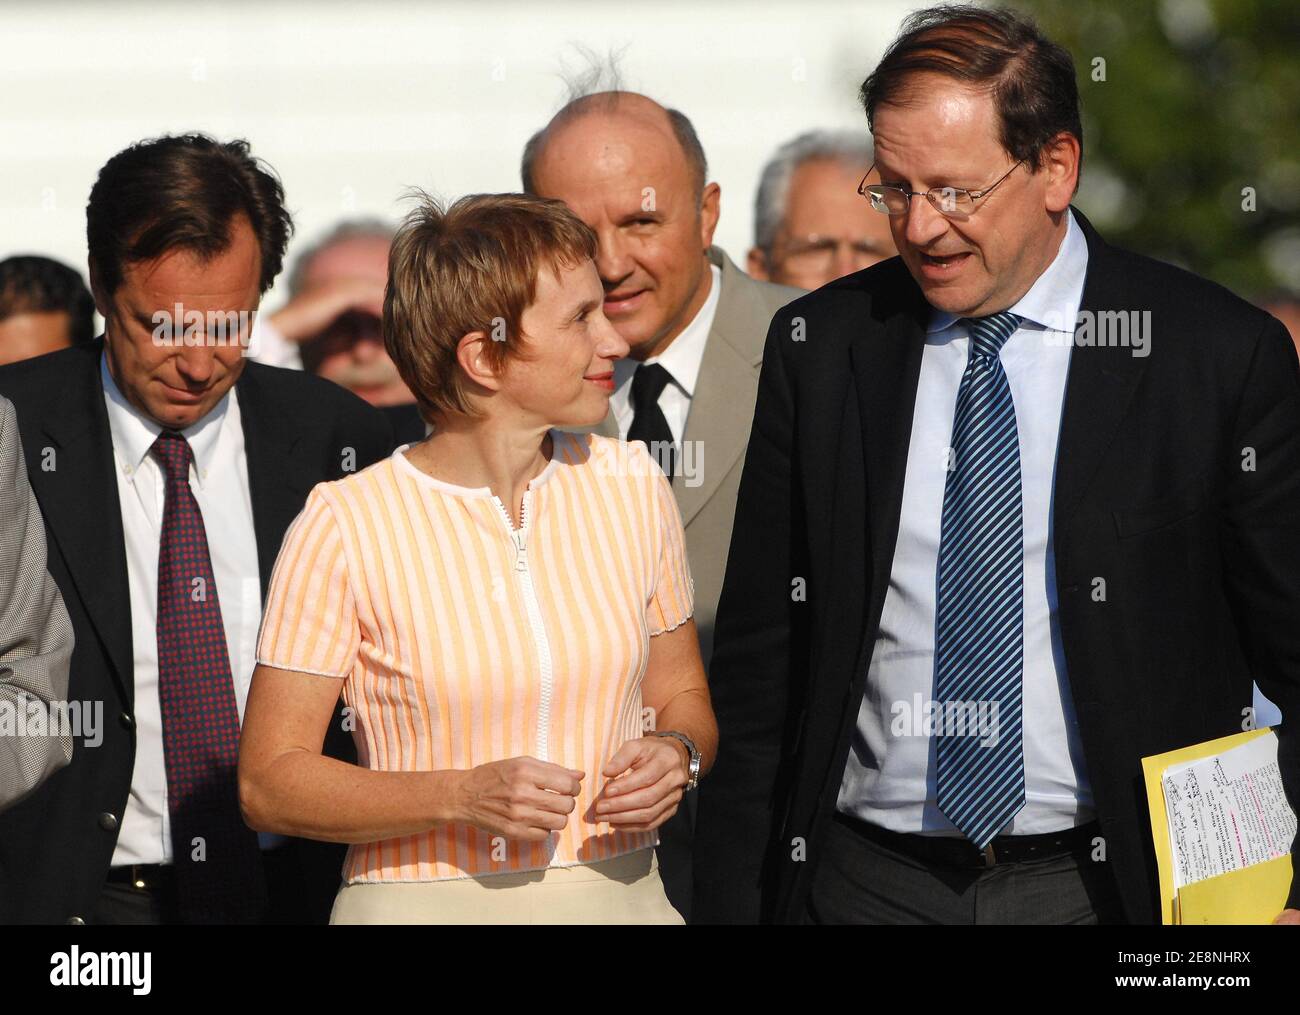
<point>144,877</point>
<point>956,851</point>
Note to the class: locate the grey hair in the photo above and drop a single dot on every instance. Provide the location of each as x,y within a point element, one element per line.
<point>349,229</point>
<point>849,147</point>
<point>599,87</point>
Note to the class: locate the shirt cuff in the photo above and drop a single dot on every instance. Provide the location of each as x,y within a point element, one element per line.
<point>267,345</point>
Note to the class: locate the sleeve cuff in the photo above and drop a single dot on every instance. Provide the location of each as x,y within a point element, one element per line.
<point>268,346</point>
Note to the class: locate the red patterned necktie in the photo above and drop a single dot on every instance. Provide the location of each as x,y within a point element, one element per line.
<point>218,865</point>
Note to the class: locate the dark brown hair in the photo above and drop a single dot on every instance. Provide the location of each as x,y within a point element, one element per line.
<point>182,192</point>
<point>1031,78</point>
<point>31,284</point>
<point>472,266</point>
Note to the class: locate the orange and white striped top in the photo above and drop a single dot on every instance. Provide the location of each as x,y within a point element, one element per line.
<point>462,640</point>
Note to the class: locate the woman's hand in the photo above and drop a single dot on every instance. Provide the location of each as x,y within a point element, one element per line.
<point>648,794</point>
<point>520,798</point>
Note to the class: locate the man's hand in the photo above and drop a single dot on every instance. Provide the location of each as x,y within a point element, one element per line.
<point>647,777</point>
<point>1288,916</point>
<point>520,798</point>
<point>311,313</point>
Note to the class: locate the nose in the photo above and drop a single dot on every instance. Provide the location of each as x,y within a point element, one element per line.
<point>367,348</point>
<point>847,259</point>
<point>609,343</point>
<point>613,262</point>
<point>924,223</point>
<point>195,363</point>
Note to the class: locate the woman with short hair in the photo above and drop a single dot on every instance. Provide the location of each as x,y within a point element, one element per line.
<point>505,608</point>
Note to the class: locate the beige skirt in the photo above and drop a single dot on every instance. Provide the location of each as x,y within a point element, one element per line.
<point>624,890</point>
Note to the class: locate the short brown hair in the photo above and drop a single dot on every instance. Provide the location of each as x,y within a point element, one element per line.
<point>470,267</point>
<point>1030,77</point>
<point>182,193</point>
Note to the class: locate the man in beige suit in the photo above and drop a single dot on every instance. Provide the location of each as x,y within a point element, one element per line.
<point>636,173</point>
<point>35,634</point>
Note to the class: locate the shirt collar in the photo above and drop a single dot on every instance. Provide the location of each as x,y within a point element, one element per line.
<point>134,433</point>
<point>1053,300</point>
<point>685,353</point>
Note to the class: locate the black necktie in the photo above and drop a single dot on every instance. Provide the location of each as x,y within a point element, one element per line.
<point>648,421</point>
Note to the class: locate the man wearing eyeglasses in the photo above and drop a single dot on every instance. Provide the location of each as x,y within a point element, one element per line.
<point>810,227</point>
<point>991,548</point>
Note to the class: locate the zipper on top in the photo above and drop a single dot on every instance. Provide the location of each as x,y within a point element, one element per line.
<point>519,537</point>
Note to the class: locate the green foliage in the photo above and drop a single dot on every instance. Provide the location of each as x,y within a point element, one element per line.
<point>1186,104</point>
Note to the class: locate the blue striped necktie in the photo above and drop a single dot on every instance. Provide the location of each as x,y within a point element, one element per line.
<point>979,651</point>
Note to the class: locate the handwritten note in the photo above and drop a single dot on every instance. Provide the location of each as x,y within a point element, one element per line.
<point>1227,811</point>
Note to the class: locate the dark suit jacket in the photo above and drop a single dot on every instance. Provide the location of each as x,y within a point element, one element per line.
<point>1201,558</point>
<point>56,847</point>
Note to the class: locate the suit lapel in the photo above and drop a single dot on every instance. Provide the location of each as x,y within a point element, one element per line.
<point>79,499</point>
<point>721,432</point>
<point>886,368</point>
<point>1100,383</point>
<point>278,480</point>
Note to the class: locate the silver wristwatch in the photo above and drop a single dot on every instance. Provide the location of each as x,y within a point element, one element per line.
<point>693,773</point>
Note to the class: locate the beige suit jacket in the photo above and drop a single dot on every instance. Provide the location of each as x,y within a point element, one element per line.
<point>35,633</point>
<point>721,413</point>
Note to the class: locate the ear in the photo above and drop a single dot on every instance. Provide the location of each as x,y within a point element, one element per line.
<point>710,209</point>
<point>1061,162</point>
<point>473,360</point>
<point>756,264</point>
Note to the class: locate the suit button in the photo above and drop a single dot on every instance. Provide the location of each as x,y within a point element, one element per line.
<point>75,921</point>
<point>108,822</point>
<point>127,720</point>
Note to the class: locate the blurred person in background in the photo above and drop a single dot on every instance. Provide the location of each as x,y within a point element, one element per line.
<point>503,605</point>
<point>636,173</point>
<point>44,306</point>
<point>168,466</point>
<point>810,224</point>
<point>331,325</point>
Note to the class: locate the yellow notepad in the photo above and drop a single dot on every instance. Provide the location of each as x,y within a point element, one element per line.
<point>1254,894</point>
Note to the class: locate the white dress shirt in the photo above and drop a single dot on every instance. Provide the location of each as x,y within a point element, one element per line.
<point>889,780</point>
<point>219,479</point>
<point>681,359</point>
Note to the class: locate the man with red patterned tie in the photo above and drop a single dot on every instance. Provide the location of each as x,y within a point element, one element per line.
<point>167,468</point>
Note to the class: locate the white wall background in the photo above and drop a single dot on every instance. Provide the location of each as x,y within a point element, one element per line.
<point>351,103</point>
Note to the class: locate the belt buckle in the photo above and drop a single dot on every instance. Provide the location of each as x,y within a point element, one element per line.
<point>990,858</point>
<point>138,881</point>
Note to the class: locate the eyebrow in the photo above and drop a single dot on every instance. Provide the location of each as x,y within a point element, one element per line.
<point>640,213</point>
<point>894,179</point>
<point>586,305</point>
